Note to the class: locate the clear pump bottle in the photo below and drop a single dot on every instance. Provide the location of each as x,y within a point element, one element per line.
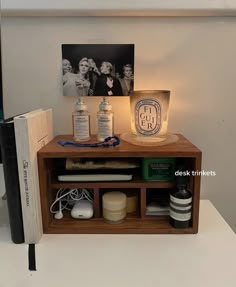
<point>81,121</point>
<point>105,120</point>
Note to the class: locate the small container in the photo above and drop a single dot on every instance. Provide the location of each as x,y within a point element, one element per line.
<point>114,206</point>
<point>132,202</point>
<point>158,169</point>
<point>81,122</point>
<point>105,120</point>
<point>149,114</point>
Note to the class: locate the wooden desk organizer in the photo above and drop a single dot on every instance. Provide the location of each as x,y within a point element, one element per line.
<point>52,153</point>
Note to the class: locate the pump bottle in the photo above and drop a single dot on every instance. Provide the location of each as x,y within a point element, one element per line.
<point>81,121</point>
<point>105,120</point>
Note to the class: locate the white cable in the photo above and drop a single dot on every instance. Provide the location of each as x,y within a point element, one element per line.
<point>58,198</point>
<point>72,195</point>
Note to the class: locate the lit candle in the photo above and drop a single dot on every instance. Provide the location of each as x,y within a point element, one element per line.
<point>149,114</point>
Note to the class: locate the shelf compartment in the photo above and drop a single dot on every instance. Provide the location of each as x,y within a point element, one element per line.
<point>135,191</point>
<point>160,196</point>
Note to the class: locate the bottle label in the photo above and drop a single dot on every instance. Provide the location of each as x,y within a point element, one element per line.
<point>148,117</point>
<point>180,209</point>
<point>180,201</point>
<point>105,126</point>
<point>81,127</point>
<point>180,216</point>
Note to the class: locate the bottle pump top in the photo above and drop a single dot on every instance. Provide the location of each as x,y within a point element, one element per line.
<point>105,105</point>
<point>80,105</point>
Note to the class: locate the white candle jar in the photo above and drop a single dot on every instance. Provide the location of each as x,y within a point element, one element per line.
<point>149,114</point>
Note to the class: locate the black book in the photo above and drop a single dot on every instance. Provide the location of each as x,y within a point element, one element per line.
<point>10,169</point>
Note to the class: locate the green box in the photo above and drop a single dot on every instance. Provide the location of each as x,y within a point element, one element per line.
<point>158,169</point>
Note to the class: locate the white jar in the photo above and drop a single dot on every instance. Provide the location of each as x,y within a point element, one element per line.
<point>114,206</point>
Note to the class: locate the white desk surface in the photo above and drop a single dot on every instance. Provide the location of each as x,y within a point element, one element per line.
<point>206,259</point>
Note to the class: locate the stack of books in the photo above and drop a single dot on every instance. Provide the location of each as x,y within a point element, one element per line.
<point>20,138</point>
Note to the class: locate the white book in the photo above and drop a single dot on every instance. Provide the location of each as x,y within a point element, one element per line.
<point>32,131</point>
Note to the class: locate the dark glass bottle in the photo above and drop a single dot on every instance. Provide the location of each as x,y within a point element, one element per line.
<point>181,204</point>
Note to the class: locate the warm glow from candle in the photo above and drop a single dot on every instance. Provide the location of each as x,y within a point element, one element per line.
<point>149,114</point>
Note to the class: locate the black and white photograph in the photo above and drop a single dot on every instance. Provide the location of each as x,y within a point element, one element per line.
<point>98,69</point>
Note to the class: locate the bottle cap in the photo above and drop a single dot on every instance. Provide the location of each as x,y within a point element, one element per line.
<point>80,105</point>
<point>105,105</point>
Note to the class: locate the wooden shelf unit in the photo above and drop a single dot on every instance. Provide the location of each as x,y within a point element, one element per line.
<point>137,223</point>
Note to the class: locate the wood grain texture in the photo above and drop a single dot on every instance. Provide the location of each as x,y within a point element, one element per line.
<point>130,225</point>
<point>181,148</point>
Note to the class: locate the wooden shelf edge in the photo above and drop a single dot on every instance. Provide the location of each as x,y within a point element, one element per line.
<point>122,231</point>
<point>58,230</point>
<point>129,184</point>
<point>116,153</point>
<point>129,226</point>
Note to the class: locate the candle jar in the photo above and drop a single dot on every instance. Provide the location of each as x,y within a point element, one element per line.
<point>114,206</point>
<point>149,114</point>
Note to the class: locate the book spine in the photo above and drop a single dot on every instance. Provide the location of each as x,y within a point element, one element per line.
<point>32,231</point>
<point>10,169</point>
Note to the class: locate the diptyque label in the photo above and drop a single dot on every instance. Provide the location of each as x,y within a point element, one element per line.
<point>148,117</point>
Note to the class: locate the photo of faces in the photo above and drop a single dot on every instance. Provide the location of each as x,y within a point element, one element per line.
<point>98,69</point>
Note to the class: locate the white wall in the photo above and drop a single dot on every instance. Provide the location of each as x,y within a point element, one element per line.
<point>121,7</point>
<point>193,57</point>
<point>113,4</point>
